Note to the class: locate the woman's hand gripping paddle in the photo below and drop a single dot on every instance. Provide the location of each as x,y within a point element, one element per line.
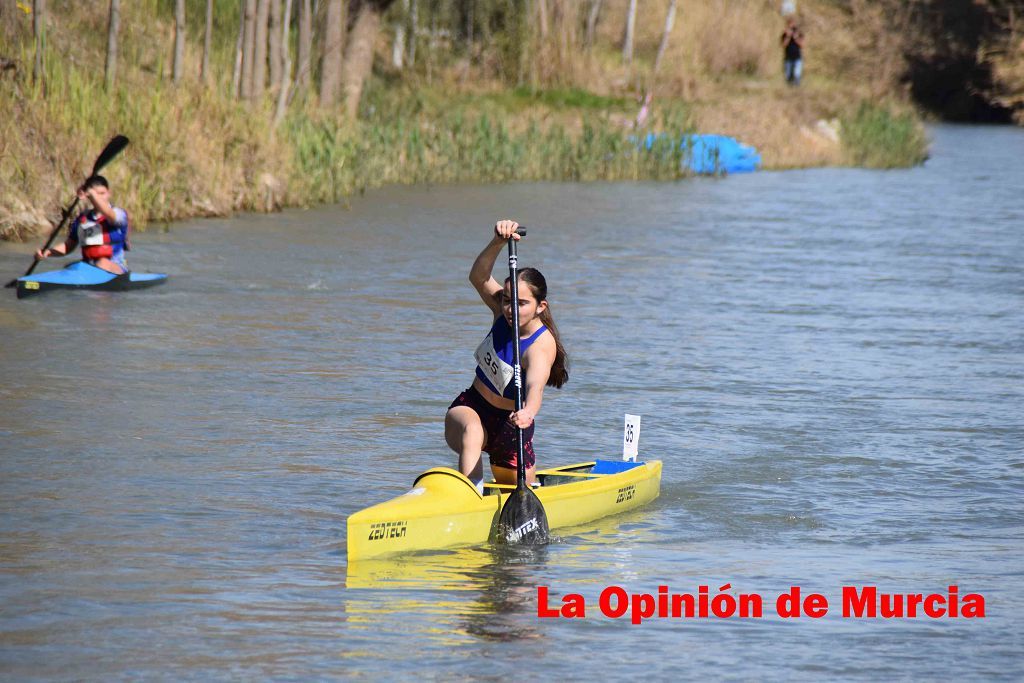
<point>523,520</point>
<point>112,149</point>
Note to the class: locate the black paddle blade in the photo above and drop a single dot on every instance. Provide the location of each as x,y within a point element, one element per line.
<point>112,149</point>
<point>523,520</point>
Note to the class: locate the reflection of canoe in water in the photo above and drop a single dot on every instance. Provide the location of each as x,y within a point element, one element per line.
<point>453,569</point>
<point>81,275</point>
<point>444,509</point>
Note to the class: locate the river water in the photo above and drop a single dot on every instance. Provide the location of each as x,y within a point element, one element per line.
<point>828,362</point>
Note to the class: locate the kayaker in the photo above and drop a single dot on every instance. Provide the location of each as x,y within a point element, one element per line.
<point>102,230</point>
<point>483,417</point>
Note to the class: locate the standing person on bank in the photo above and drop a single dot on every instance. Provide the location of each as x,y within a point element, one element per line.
<point>483,417</point>
<point>792,46</point>
<point>102,230</point>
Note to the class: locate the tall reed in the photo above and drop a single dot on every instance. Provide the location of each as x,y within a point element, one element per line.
<point>462,145</point>
<point>875,136</point>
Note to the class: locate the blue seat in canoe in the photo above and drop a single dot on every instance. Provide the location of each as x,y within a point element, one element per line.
<point>613,466</point>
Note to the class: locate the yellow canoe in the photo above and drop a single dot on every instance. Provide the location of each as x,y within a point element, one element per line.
<point>444,509</point>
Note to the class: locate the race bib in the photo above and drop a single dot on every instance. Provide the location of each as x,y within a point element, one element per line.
<point>90,233</point>
<point>498,372</point>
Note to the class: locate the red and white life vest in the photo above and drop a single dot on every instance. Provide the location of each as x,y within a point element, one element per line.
<point>98,238</point>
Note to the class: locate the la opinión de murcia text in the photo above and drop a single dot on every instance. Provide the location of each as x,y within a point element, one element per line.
<point>856,602</point>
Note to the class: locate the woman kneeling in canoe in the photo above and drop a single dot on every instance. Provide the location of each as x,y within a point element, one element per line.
<point>483,417</point>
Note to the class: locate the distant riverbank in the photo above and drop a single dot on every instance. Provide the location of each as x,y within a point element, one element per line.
<point>571,113</point>
<point>197,155</point>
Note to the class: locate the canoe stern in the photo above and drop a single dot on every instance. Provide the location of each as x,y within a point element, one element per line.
<point>604,495</point>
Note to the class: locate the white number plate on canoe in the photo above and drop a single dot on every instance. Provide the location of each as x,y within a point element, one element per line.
<point>631,438</point>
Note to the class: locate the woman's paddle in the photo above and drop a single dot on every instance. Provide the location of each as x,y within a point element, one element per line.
<point>522,519</point>
<point>112,149</point>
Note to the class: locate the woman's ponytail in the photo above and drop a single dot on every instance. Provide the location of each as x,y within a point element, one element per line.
<point>560,368</point>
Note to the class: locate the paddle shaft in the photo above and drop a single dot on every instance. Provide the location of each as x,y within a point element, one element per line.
<point>113,148</point>
<point>65,215</point>
<point>522,519</point>
<point>513,273</point>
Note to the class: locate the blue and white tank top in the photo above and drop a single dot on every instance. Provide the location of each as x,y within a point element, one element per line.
<point>495,355</point>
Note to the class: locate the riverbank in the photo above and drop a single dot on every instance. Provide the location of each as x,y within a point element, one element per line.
<point>197,151</point>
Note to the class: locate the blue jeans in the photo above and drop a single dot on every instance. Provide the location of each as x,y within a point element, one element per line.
<point>793,69</point>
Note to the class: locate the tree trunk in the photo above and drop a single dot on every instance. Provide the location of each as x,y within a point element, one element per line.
<point>398,47</point>
<point>592,16</point>
<point>275,39</point>
<point>259,55</point>
<point>39,32</point>
<point>670,20</point>
<point>236,72</point>
<point>305,65</point>
<point>529,46</point>
<point>567,26</point>
<point>414,23</point>
<point>542,12</point>
<point>485,31</point>
<point>359,52</point>
<point>334,42</point>
<point>465,11</point>
<point>627,41</point>
<point>9,19</point>
<point>113,27</point>
<point>286,66</point>
<point>248,48</point>
<point>204,69</point>
<point>179,40</point>
<point>431,40</point>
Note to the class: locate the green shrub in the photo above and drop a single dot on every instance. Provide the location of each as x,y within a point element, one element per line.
<point>876,137</point>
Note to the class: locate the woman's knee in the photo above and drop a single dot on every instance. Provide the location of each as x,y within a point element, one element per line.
<point>462,429</point>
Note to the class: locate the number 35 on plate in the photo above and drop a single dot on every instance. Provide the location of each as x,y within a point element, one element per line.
<point>631,438</point>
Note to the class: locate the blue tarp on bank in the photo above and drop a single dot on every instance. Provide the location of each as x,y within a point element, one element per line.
<point>713,154</point>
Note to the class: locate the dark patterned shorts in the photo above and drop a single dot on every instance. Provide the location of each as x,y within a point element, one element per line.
<point>500,443</point>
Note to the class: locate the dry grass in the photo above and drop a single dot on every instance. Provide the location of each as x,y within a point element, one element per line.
<point>725,62</point>
<point>790,129</point>
<point>728,38</point>
<point>192,152</point>
<point>724,59</point>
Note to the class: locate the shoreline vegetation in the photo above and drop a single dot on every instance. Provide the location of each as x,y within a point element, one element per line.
<point>444,92</point>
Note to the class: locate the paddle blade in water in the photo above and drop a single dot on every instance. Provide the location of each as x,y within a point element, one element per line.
<point>523,520</point>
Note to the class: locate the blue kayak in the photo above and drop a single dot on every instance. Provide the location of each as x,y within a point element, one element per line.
<point>81,275</point>
<point>718,154</point>
<point>711,154</point>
